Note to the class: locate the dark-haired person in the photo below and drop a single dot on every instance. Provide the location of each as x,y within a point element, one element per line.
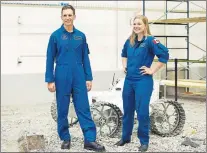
<point>137,56</point>
<point>68,48</point>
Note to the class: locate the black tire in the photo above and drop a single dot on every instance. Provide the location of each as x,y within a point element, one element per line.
<point>53,110</point>
<point>117,117</point>
<point>178,124</point>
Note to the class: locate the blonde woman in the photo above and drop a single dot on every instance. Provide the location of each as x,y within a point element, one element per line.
<point>137,56</point>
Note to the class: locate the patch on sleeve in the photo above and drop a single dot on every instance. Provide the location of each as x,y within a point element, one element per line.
<point>155,41</point>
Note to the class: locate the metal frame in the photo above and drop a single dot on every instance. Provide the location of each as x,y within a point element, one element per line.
<point>187,68</point>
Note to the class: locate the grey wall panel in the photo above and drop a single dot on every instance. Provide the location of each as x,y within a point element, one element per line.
<point>31,88</point>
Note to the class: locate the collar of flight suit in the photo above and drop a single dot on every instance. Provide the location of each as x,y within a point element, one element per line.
<point>143,39</point>
<point>64,30</point>
<point>137,43</point>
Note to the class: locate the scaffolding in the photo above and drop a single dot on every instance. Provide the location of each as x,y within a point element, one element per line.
<point>182,22</point>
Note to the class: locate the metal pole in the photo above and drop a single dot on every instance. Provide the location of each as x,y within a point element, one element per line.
<point>143,7</point>
<point>166,11</point>
<point>176,79</point>
<point>188,49</point>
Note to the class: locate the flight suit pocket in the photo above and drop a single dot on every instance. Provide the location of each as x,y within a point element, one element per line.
<point>60,72</point>
<point>140,51</point>
<point>81,70</point>
<point>130,52</point>
<point>61,58</point>
<point>78,50</point>
<point>78,47</point>
<point>66,47</point>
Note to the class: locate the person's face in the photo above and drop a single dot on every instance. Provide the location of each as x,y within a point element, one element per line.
<point>139,27</point>
<point>68,17</point>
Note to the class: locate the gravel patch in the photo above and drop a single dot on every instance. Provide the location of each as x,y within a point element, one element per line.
<point>36,119</point>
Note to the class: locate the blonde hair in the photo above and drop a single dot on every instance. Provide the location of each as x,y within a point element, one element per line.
<point>145,21</point>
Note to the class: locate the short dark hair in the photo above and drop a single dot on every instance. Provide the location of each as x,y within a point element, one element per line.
<point>68,7</point>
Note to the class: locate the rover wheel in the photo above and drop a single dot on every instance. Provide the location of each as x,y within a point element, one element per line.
<point>107,117</point>
<point>167,119</point>
<point>72,118</point>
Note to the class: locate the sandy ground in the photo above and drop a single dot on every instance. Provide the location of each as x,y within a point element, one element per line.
<point>36,118</point>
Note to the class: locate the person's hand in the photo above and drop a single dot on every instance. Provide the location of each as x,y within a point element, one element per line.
<point>146,70</point>
<point>89,85</point>
<point>125,71</point>
<point>51,87</point>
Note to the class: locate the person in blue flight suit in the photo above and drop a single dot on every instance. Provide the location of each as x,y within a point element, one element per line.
<point>68,48</point>
<point>137,56</point>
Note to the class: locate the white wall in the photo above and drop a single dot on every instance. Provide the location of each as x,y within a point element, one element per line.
<point>37,23</point>
<point>106,32</point>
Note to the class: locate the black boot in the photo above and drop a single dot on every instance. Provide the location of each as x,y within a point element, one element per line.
<point>94,146</point>
<point>65,145</point>
<point>122,142</point>
<point>143,148</point>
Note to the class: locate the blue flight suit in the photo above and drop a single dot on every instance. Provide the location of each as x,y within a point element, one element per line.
<point>69,50</point>
<point>138,88</point>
